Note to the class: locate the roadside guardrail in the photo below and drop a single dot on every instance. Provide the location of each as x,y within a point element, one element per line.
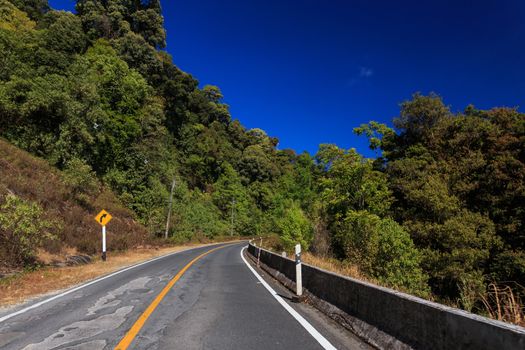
<point>390,319</point>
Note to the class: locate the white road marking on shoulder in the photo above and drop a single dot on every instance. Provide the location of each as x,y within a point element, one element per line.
<point>309,328</point>
<point>34,306</point>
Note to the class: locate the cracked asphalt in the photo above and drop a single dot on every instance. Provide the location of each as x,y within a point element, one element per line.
<point>217,304</point>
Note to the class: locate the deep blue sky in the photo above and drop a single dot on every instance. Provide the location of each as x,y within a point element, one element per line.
<point>308,72</point>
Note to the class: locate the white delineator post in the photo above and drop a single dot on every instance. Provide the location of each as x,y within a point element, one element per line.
<point>169,210</point>
<point>104,243</point>
<point>259,254</point>
<point>298,274</point>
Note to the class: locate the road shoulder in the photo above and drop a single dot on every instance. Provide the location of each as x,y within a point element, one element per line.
<point>337,335</point>
<point>30,287</point>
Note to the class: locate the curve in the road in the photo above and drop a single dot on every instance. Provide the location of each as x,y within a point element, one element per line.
<point>87,284</point>
<point>137,326</point>
<point>201,298</point>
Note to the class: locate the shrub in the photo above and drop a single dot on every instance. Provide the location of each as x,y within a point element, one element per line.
<point>82,179</point>
<point>295,228</point>
<point>23,229</point>
<point>398,261</point>
<point>194,215</point>
<point>381,249</point>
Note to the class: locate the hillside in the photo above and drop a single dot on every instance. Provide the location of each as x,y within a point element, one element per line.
<point>69,213</point>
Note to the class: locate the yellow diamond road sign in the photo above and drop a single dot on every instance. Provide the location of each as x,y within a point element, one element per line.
<point>103,217</point>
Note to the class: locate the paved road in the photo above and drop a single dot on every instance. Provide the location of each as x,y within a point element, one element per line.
<point>217,303</point>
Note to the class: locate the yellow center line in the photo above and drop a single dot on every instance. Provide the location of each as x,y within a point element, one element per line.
<point>137,326</point>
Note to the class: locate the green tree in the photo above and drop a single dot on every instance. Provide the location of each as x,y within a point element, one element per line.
<point>91,92</point>
<point>17,40</point>
<point>61,38</point>
<point>381,249</point>
<point>114,18</point>
<point>256,165</point>
<point>442,171</point>
<point>139,55</point>
<point>195,216</point>
<point>349,182</point>
<point>35,9</point>
<point>149,23</point>
<point>295,228</point>
<point>80,178</point>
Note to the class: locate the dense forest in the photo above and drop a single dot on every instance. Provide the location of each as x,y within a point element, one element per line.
<point>439,212</point>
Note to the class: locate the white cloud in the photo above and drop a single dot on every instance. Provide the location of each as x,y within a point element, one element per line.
<point>365,72</point>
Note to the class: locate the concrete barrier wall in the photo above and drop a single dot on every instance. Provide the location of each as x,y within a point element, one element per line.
<point>416,322</point>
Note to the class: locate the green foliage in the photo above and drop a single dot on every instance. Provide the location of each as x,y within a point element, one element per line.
<point>60,39</point>
<point>256,165</point>
<point>358,237</point>
<point>456,249</point>
<point>376,133</point>
<point>35,9</point>
<point>398,261</point>
<point>139,55</point>
<point>419,116</point>
<point>471,288</point>
<point>23,229</point>
<point>149,23</point>
<point>195,216</point>
<point>114,18</point>
<point>458,183</point>
<point>17,36</point>
<point>382,249</point>
<point>295,228</point>
<point>231,197</point>
<point>350,182</point>
<point>81,179</point>
<point>12,18</point>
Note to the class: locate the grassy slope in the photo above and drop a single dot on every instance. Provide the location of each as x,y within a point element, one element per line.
<point>34,179</point>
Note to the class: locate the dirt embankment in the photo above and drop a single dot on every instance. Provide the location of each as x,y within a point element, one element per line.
<point>39,185</point>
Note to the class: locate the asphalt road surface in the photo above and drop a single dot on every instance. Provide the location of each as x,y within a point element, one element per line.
<point>203,298</point>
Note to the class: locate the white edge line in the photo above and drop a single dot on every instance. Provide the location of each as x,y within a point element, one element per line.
<point>309,328</point>
<point>69,291</point>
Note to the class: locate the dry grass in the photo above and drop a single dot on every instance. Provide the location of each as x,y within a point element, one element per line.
<point>334,265</point>
<point>46,258</point>
<point>274,243</point>
<point>503,304</point>
<point>23,286</point>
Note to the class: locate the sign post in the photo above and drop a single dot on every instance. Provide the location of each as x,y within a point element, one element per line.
<point>103,243</point>
<point>103,218</point>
